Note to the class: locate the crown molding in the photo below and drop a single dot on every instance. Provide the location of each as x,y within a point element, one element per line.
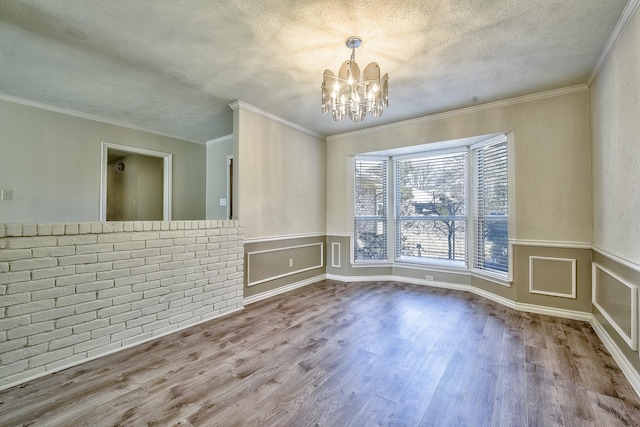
<point>621,25</point>
<point>468,110</point>
<point>248,107</point>
<point>87,116</point>
<point>220,139</point>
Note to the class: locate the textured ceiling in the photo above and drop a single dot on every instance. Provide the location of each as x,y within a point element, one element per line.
<point>174,66</point>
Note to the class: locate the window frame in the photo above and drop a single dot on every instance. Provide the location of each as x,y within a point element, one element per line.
<point>465,267</point>
<point>385,219</point>
<point>440,262</point>
<point>474,214</point>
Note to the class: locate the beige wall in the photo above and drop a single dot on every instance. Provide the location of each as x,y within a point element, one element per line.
<point>552,161</point>
<point>217,152</point>
<point>615,103</point>
<point>51,161</point>
<point>281,177</point>
<point>615,109</point>
<point>279,194</point>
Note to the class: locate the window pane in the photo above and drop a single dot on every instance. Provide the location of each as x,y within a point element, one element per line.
<point>431,206</point>
<point>370,209</point>
<point>439,239</point>
<point>491,242</point>
<point>370,188</point>
<point>492,245</point>
<point>370,239</point>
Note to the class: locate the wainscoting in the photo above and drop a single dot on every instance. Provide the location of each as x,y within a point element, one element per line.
<point>279,264</point>
<point>75,292</point>
<point>615,309</point>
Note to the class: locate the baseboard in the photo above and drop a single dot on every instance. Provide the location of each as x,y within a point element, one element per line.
<point>625,365</point>
<point>283,289</point>
<point>530,308</point>
<point>583,316</point>
<point>107,353</point>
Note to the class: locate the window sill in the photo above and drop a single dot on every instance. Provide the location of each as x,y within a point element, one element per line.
<point>442,266</point>
<point>433,262</point>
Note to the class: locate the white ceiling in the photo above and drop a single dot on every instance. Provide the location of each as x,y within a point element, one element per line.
<point>173,67</point>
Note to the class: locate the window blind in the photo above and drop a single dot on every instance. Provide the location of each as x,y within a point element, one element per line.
<point>490,216</point>
<point>430,206</point>
<point>370,209</point>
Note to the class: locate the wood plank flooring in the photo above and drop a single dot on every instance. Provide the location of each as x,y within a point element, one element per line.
<point>338,354</point>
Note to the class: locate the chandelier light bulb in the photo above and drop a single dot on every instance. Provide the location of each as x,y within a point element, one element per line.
<point>352,93</point>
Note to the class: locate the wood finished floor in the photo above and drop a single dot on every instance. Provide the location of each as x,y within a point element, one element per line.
<point>337,354</point>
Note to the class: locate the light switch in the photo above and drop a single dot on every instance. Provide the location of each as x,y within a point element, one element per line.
<point>223,202</point>
<point>6,194</point>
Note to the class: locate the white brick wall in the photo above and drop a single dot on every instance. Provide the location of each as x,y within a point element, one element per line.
<point>70,292</point>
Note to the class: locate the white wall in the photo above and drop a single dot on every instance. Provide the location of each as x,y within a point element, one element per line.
<point>51,161</point>
<point>72,292</point>
<point>615,103</point>
<point>552,160</point>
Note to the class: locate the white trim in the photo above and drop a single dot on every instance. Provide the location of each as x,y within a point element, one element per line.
<point>282,289</point>
<point>497,139</point>
<point>551,244</point>
<point>632,338</point>
<point>583,316</point>
<point>633,376</point>
<point>335,261</point>
<point>621,25</point>
<point>554,294</point>
<point>488,276</point>
<point>107,353</point>
<point>339,234</point>
<point>620,259</point>
<point>531,308</point>
<point>469,110</point>
<point>432,267</point>
<point>167,174</point>
<point>289,273</point>
<point>229,192</point>
<point>220,139</point>
<point>372,264</point>
<point>510,261</point>
<point>430,153</point>
<point>283,237</point>
<point>87,116</point>
<point>248,107</point>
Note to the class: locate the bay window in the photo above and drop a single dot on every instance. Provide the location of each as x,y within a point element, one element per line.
<point>449,207</point>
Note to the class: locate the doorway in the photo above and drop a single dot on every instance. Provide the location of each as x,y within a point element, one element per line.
<point>135,184</point>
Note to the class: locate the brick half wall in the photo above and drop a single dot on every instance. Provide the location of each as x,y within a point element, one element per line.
<point>74,292</point>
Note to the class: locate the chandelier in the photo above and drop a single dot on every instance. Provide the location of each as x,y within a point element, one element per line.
<point>351,93</point>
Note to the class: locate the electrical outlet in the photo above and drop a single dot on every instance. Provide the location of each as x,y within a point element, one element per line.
<point>290,262</point>
<point>6,194</point>
<point>427,277</point>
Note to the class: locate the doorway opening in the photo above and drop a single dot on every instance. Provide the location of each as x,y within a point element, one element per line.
<point>135,184</point>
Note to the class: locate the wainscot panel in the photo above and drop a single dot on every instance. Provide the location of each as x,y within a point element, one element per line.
<point>553,276</point>
<point>281,262</point>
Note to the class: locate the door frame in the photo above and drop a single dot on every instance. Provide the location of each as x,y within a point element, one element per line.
<point>166,185</point>
<point>230,172</point>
